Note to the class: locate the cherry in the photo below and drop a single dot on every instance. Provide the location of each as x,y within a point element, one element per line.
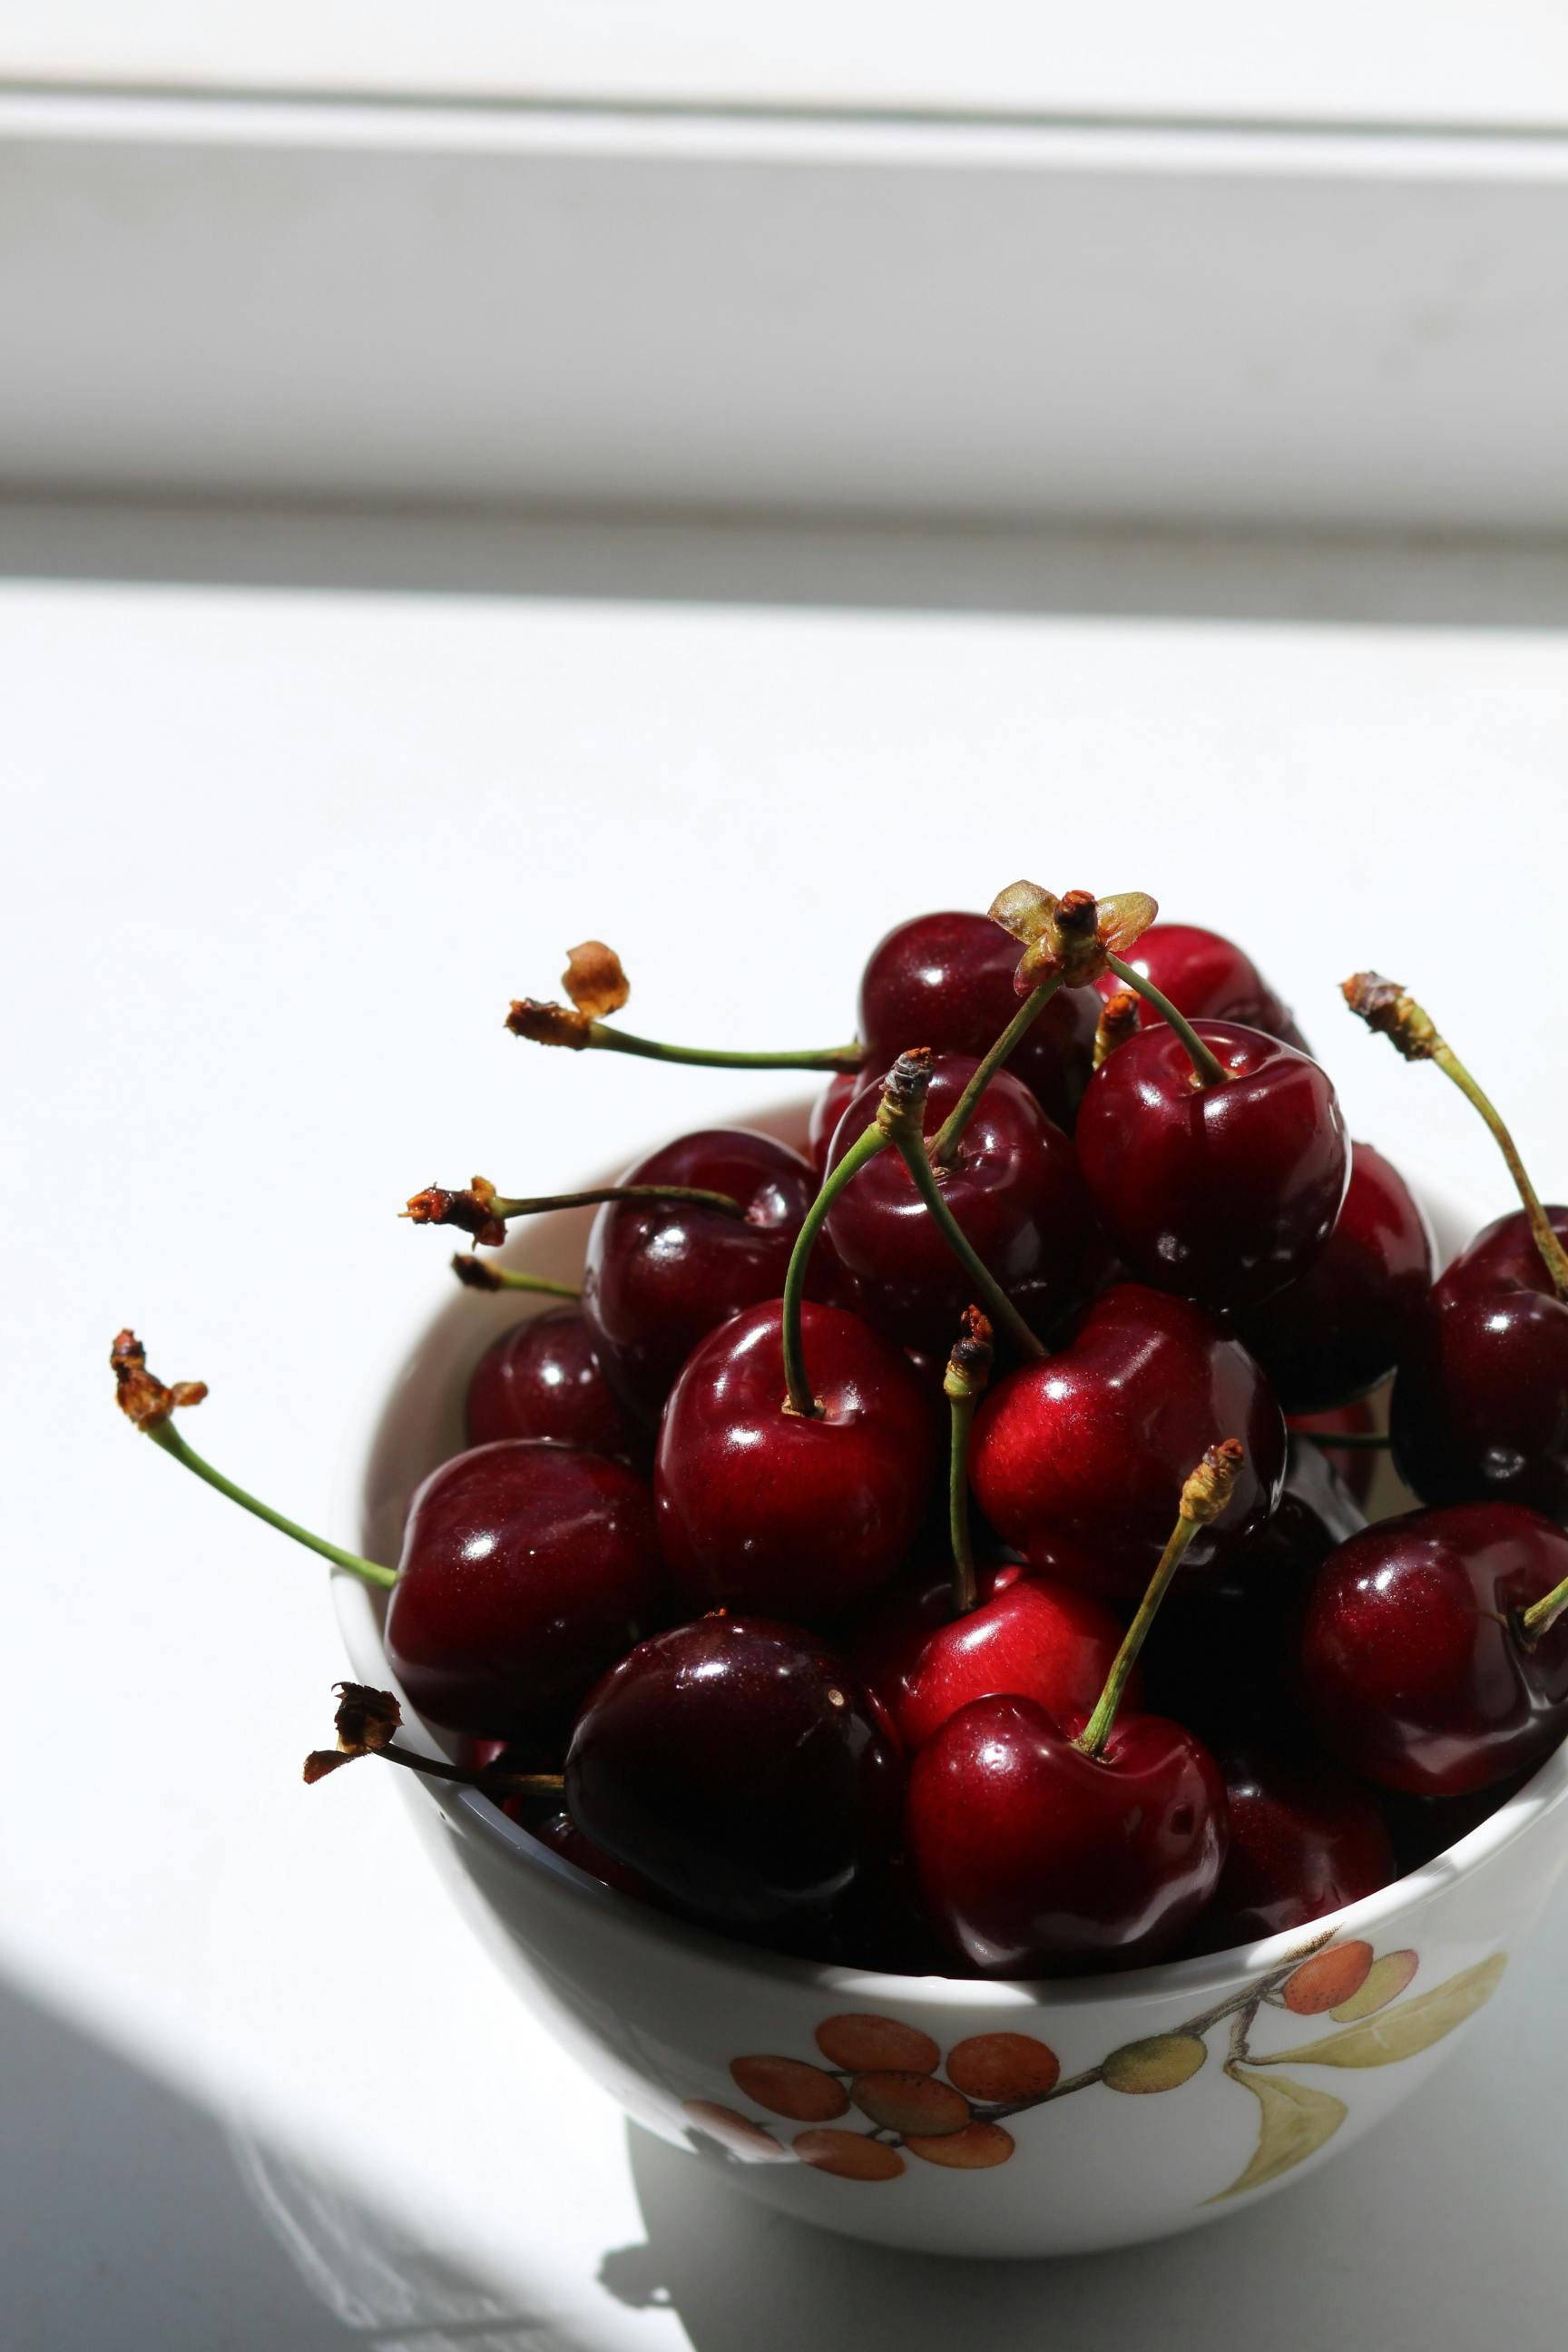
<point>560,1832</point>
<point>1222,1187</point>
<point>661,1275</point>
<point>541,1379</point>
<point>1305,1840</point>
<point>1338,1329</point>
<point>1042,1844</point>
<point>827,1110</point>
<point>1011,1185</point>
<point>1075,1457</point>
<point>1434,1658</point>
<point>1207,978</point>
<point>1223,1656</point>
<point>735,1765</point>
<point>946,980</point>
<point>526,1568</point>
<point>1480,1402</point>
<point>764,1508</point>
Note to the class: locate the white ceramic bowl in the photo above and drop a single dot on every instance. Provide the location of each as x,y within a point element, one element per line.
<point>665,2016</point>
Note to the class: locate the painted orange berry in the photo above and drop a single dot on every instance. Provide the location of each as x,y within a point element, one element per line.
<point>910,2102</point>
<point>973,2149</point>
<point>863,2044</point>
<point>1327,1979</point>
<point>852,2156</point>
<point>996,2066</point>
<point>1384,1981</point>
<point>1161,2061</point>
<point>790,2087</point>
<point>752,2143</point>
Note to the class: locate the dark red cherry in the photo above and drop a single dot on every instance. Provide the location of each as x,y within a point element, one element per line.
<point>1207,978</point>
<point>946,980</point>
<point>1480,1402</point>
<point>660,1274</point>
<point>1224,1655</point>
<point>1225,1191</point>
<point>1075,1457</point>
<point>737,1767</point>
<point>541,1379</point>
<point>1355,1466</point>
<point>760,1507</point>
<point>1414,1670</point>
<point>829,1108</point>
<point>1013,1187</point>
<point>1033,1856</point>
<point>1305,1840</point>
<point>1339,1328</point>
<point>527,1567</point>
<point>1030,1637</point>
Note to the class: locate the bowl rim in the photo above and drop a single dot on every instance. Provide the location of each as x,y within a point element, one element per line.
<point>358,1612</point>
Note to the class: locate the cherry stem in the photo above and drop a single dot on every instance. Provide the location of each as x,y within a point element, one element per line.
<point>1542,1615</point>
<point>1359,1441</point>
<point>998,1305</point>
<point>475,1274</point>
<point>491,1780</point>
<point>1554,1257</point>
<point>865,1147</point>
<point>964,1384</point>
<point>1204,1497</point>
<point>651,1049</point>
<point>1017,1029</point>
<point>1207,1068</point>
<point>165,1433</point>
<point>538,1202</point>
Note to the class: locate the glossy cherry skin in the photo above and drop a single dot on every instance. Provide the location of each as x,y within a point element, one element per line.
<point>527,1567</point>
<point>736,1766</point>
<point>1033,1857</point>
<point>1208,978</point>
<point>1029,1637</point>
<point>1305,1840</point>
<point>1013,1190</point>
<point>661,1275</point>
<point>1080,1457</point>
<point>1224,1654</point>
<point>1223,1192</point>
<point>1339,1328</point>
<point>763,1508</point>
<point>946,980</point>
<point>541,1379</point>
<point>1480,1402</point>
<point>1414,1671</point>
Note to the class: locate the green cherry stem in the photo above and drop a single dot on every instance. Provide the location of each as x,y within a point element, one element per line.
<point>1017,1029</point>
<point>1204,1497</point>
<point>537,1203</point>
<point>1207,1068</point>
<point>477,1274</point>
<point>964,1385</point>
<point>1392,1013</point>
<point>651,1049</point>
<point>165,1433</point>
<point>1540,1616</point>
<point>998,1305</point>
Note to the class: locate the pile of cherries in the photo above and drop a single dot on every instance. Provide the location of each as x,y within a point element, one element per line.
<point>944,1547</point>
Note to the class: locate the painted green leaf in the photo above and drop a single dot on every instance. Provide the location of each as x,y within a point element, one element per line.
<point>1296,2123</point>
<point>1401,2031</point>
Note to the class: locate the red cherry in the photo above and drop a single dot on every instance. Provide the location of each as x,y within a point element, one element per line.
<point>1479,1406</point>
<point>1033,1856</point>
<point>1222,1191</point>
<point>560,1832</point>
<point>1207,978</point>
<point>760,1507</point>
<point>1030,1636</point>
<point>1075,1457</point>
<point>1415,1671</point>
<point>827,1110</point>
<point>1011,1185</point>
<point>736,1766</point>
<point>946,980</point>
<point>660,1274</point>
<point>527,1567</point>
<point>1338,1329</point>
<point>541,1379</point>
<point>1305,1840</point>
